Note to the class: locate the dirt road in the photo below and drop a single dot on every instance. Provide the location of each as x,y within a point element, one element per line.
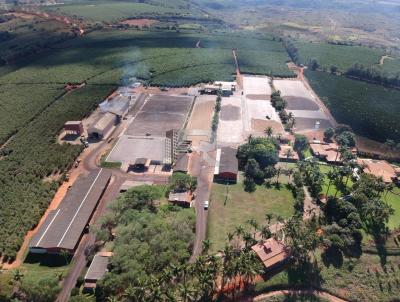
<point>203,163</point>
<point>320,294</point>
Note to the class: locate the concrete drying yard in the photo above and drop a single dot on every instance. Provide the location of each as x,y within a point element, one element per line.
<point>230,128</point>
<point>257,87</point>
<point>199,126</point>
<point>160,114</point>
<point>303,104</point>
<point>258,111</point>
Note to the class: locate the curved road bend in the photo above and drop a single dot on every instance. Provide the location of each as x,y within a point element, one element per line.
<point>320,294</point>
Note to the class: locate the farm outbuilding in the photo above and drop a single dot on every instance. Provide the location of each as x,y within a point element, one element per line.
<point>97,269</point>
<point>119,105</point>
<point>183,199</point>
<point>182,163</point>
<point>64,226</point>
<point>227,166</point>
<point>73,127</point>
<point>103,126</point>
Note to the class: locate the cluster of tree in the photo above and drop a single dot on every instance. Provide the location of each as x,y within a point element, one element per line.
<point>217,109</point>
<point>148,239</point>
<point>257,158</point>
<point>152,246</point>
<point>300,144</point>
<point>182,182</point>
<point>292,50</point>
<point>374,75</point>
<point>280,106</point>
<point>344,136</point>
<point>299,194</point>
<point>362,209</point>
<point>313,177</point>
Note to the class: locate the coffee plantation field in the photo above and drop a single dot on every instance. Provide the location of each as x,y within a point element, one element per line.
<point>118,10</point>
<point>371,110</point>
<point>264,62</point>
<point>341,56</point>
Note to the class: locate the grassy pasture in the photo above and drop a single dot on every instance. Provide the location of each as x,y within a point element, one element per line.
<point>231,206</point>
<point>371,110</point>
<point>343,57</point>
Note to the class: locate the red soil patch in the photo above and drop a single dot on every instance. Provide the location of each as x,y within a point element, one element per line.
<point>139,22</point>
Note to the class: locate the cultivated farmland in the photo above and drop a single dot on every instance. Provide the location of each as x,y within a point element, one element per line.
<point>342,56</point>
<point>371,110</point>
<point>118,10</point>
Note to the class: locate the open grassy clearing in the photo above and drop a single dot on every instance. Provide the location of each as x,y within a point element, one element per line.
<point>391,66</point>
<point>342,56</point>
<point>231,206</point>
<point>118,10</point>
<point>394,200</point>
<point>362,279</point>
<point>371,110</point>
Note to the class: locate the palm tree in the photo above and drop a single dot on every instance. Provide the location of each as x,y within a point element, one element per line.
<point>278,174</point>
<point>269,131</point>
<point>269,217</point>
<point>252,222</point>
<point>332,175</point>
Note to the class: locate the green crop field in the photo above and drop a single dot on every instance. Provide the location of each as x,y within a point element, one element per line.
<point>118,10</point>
<point>264,62</point>
<point>371,110</point>
<point>342,56</point>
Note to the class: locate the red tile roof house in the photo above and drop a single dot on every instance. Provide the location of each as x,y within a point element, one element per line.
<point>380,168</point>
<point>272,253</point>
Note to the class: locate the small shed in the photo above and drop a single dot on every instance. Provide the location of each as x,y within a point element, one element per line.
<point>183,199</point>
<point>73,127</point>
<point>97,270</point>
<point>182,163</point>
<point>227,166</point>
